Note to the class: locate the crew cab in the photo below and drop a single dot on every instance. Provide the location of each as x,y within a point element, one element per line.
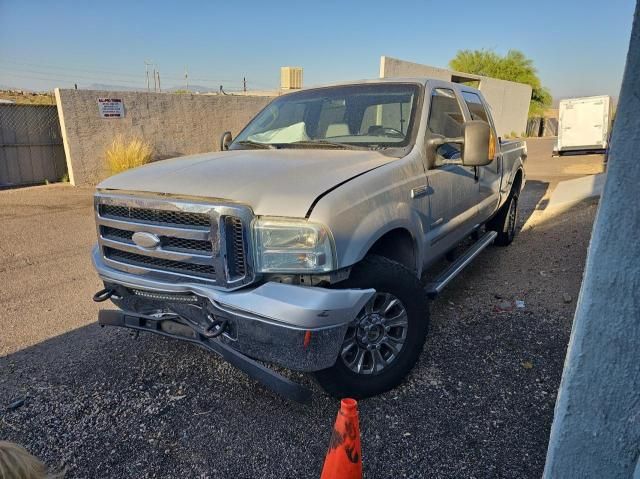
<point>304,243</point>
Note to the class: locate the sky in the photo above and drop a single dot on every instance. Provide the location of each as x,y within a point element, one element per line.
<point>578,47</point>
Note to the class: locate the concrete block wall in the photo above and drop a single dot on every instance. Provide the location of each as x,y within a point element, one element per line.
<point>174,124</point>
<point>509,101</point>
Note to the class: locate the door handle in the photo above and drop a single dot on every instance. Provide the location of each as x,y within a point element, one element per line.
<point>419,191</point>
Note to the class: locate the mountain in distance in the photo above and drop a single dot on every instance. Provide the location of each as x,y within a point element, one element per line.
<point>107,87</point>
<point>194,89</point>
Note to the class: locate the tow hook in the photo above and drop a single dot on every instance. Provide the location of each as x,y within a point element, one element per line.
<point>217,327</point>
<point>103,295</point>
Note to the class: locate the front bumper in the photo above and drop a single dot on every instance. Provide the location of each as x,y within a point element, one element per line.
<point>300,328</point>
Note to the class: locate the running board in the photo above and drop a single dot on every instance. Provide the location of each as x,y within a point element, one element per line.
<point>436,286</point>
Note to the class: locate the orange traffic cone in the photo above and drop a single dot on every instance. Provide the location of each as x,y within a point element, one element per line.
<point>344,457</point>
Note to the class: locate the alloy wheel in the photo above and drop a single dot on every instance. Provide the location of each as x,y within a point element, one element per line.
<point>377,335</point>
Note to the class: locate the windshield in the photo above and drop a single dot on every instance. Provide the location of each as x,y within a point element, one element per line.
<point>366,115</point>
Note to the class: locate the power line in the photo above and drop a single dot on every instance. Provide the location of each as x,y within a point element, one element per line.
<point>120,74</point>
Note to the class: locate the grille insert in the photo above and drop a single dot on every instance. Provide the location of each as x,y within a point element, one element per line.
<point>201,270</point>
<point>151,216</point>
<point>235,247</point>
<point>169,243</point>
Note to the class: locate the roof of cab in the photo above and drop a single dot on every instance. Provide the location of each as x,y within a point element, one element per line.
<point>417,80</point>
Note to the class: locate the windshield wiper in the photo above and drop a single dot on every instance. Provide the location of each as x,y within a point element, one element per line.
<point>255,144</point>
<point>320,143</point>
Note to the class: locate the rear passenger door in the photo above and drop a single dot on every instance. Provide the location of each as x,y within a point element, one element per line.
<point>453,188</point>
<point>489,175</point>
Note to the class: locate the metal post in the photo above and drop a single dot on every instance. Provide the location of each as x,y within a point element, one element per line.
<point>596,427</point>
<point>146,72</point>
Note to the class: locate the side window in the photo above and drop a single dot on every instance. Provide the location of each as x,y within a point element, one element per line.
<point>479,112</point>
<point>476,108</point>
<point>446,119</point>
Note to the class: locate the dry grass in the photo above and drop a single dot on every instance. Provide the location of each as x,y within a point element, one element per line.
<point>124,154</point>
<point>28,98</point>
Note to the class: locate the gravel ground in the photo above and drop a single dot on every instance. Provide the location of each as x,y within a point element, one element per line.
<point>102,404</point>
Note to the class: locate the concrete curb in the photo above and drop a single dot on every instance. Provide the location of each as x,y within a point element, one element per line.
<point>571,192</point>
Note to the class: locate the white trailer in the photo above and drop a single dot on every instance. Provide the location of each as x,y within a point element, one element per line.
<point>584,124</point>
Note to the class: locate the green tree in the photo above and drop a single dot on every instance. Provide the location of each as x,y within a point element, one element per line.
<point>514,66</point>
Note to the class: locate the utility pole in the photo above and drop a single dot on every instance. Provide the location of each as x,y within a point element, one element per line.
<point>596,426</point>
<point>148,63</point>
<point>244,84</point>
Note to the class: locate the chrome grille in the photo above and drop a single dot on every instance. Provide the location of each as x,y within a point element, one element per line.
<point>197,241</point>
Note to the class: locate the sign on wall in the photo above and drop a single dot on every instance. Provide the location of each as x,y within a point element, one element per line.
<point>111,107</point>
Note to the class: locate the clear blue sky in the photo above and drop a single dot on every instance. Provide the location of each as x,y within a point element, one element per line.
<point>579,47</point>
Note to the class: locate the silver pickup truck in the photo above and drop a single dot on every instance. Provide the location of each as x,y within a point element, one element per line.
<point>305,242</point>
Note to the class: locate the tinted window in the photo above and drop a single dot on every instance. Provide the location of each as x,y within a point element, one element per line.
<point>476,108</point>
<point>446,119</point>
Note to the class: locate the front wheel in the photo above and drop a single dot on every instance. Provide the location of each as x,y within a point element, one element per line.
<point>384,341</point>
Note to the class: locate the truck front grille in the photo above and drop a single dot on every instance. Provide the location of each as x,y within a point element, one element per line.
<point>194,241</point>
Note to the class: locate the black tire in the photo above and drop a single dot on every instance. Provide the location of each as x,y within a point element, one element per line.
<point>505,223</point>
<point>385,276</point>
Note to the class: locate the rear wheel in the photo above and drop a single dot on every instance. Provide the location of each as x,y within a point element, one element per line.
<point>384,341</point>
<point>506,221</point>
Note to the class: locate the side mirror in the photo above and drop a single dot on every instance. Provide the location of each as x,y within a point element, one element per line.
<point>475,148</point>
<point>225,141</point>
<point>475,142</point>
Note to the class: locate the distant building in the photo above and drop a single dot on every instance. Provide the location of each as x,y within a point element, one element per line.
<point>290,78</point>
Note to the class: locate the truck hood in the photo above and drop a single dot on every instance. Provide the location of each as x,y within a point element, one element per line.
<point>281,182</point>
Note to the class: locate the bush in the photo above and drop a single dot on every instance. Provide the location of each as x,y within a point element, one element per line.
<point>123,155</point>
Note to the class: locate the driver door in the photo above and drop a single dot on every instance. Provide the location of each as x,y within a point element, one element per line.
<point>454,189</point>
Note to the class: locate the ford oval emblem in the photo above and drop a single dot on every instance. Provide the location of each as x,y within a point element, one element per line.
<point>145,240</point>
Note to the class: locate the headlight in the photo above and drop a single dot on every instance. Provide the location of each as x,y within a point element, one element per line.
<point>292,246</point>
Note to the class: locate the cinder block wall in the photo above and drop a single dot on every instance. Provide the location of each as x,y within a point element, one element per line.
<point>174,124</point>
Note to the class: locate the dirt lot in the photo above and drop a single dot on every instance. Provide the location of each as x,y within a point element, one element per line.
<point>101,404</point>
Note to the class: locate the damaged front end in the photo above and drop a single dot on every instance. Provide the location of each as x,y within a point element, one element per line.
<point>297,327</point>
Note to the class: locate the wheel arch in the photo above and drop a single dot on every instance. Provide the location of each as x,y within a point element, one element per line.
<point>516,185</point>
<point>397,244</point>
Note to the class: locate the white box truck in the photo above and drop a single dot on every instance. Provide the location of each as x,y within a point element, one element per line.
<point>584,124</point>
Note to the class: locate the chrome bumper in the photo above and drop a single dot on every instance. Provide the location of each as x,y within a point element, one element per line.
<point>300,328</point>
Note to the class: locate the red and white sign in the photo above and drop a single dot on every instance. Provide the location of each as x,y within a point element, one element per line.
<point>111,107</point>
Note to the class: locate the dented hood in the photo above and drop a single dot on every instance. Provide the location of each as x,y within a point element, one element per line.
<point>281,182</point>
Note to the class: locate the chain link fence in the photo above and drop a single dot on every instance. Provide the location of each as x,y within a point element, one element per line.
<point>31,150</point>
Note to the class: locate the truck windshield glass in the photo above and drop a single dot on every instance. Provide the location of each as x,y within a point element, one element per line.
<point>367,115</point>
